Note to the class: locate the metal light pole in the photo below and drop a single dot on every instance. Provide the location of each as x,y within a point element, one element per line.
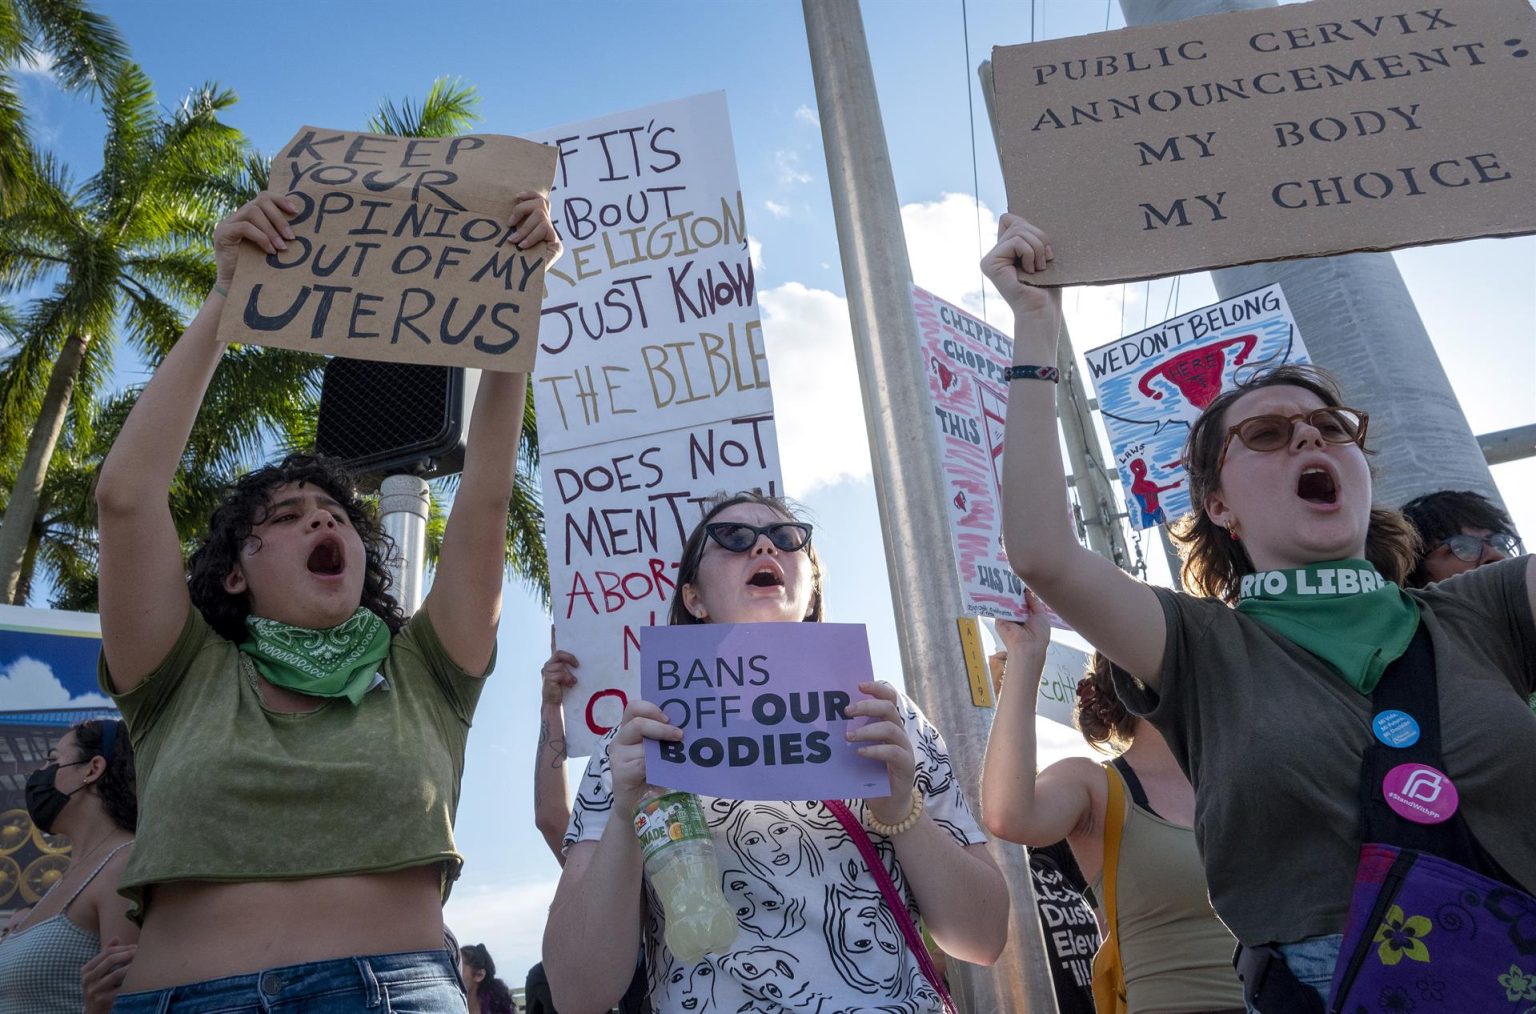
<point>905,455</point>
<point>403,508</point>
<point>1359,321</point>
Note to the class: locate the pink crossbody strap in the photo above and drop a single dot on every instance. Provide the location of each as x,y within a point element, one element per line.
<point>893,901</point>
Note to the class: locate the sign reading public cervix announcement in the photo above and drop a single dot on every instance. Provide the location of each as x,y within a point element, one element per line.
<point>652,386</point>
<point>1293,131</point>
<point>966,360</point>
<point>401,252</point>
<point>1153,384</point>
<point>763,709</point>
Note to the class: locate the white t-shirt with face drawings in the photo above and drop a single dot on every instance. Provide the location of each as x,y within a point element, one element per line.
<point>816,936</point>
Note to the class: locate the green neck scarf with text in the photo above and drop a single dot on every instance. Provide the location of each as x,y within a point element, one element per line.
<point>1342,611</point>
<point>332,662</point>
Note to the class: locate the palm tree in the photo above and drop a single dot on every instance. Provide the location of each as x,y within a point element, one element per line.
<point>124,252</point>
<point>84,50</point>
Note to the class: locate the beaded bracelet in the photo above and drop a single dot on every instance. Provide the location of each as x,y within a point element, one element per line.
<point>892,830</point>
<point>1050,373</point>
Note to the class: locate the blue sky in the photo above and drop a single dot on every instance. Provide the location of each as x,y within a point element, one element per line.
<point>539,66</point>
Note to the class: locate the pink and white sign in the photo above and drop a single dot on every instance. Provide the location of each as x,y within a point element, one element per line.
<point>966,361</point>
<point>763,710</point>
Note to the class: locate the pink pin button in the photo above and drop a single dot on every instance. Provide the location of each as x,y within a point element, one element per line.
<point>1420,793</point>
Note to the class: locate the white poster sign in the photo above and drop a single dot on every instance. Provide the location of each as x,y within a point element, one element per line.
<point>652,381</point>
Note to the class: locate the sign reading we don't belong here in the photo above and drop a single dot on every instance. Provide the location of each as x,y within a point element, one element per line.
<point>402,252</point>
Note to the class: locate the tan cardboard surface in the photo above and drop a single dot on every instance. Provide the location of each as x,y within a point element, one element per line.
<point>399,252</point>
<point>1293,131</point>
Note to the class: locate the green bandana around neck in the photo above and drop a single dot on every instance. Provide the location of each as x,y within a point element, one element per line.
<point>331,662</point>
<point>1342,611</point>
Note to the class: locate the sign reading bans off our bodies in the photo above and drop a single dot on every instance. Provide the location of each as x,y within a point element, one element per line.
<point>1294,131</point>
<point>401,252</point>
<point>763,709</point>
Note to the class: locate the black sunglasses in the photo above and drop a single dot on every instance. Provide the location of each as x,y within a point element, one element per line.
<point>1469,548</point>
<point>786,536</point>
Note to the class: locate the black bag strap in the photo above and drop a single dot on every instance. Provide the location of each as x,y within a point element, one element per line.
<point>1410,685</point>
<point>1133,784</point>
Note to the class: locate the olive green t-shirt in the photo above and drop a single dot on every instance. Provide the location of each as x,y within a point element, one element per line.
<point>230,791</point>
<point>1272,739</point>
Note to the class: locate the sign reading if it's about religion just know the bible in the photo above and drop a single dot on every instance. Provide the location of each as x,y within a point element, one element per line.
<point>1294,131</point>
<point>763,709</point>
<point>402,252</point>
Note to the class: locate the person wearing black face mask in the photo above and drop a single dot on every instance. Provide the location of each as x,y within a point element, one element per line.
<point>86,791</point>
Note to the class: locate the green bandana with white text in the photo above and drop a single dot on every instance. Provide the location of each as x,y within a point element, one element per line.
<point>1343,611</point>
<point>331,662</point>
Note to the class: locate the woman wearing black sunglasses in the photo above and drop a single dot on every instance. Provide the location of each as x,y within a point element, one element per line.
<point>1268,707</point>
<point>814,932</point>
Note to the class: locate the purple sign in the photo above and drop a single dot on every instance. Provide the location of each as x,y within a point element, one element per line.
<point>763,710</point>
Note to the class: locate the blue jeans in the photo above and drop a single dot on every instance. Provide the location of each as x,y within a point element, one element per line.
<point>1312,961</point>
<point>418,982</point>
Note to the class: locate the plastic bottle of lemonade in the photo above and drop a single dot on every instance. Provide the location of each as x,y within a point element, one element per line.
<point>680,860</point>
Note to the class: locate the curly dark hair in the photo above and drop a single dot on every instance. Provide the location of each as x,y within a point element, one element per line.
<point>1214,564</point>
<point>246,506</point>
<point>116,785</point>
<point>495,997</point>
<point>1438,516</point>
<point>1099,714</point>
<point>693,553</point>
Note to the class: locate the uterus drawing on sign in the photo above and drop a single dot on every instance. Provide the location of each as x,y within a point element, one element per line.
<point>1197,374</point>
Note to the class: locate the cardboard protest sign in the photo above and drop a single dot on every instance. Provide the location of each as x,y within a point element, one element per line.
<point>400,252</point>
<point>763,710</point>
<point>966,360</point>
<point>1294,131</point>
<point>652,388</point>
<point>1153,384</point>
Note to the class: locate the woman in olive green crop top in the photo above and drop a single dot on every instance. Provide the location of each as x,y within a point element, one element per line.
<point>300,742</point>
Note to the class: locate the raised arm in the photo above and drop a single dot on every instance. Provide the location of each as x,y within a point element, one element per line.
<point>551,807</point>
<point>593,931</point>
<point>1114,611</point>
<point>143,589</point>
<point>1017,804</point>
<point>465,600</point>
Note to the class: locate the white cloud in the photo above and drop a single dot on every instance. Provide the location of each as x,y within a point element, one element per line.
<point>788,164</point>
<point>755,251</point>
<point>943,249</point>
<point>818,411</point>
<point>776,209</point>
<point>28,684</point>
<point>805,114</point>
<point>509,920</point>
<point>40,65</point>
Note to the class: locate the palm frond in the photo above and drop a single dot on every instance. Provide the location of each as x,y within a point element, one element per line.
<point>449,109</point>
<point>85,46</point>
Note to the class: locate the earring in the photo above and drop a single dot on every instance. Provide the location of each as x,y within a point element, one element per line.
<point>1232,532</point>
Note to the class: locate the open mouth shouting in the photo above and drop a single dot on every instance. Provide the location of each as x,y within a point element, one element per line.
<point>327,559</point>
<point>1317,485</point>
<point>766,575</point>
